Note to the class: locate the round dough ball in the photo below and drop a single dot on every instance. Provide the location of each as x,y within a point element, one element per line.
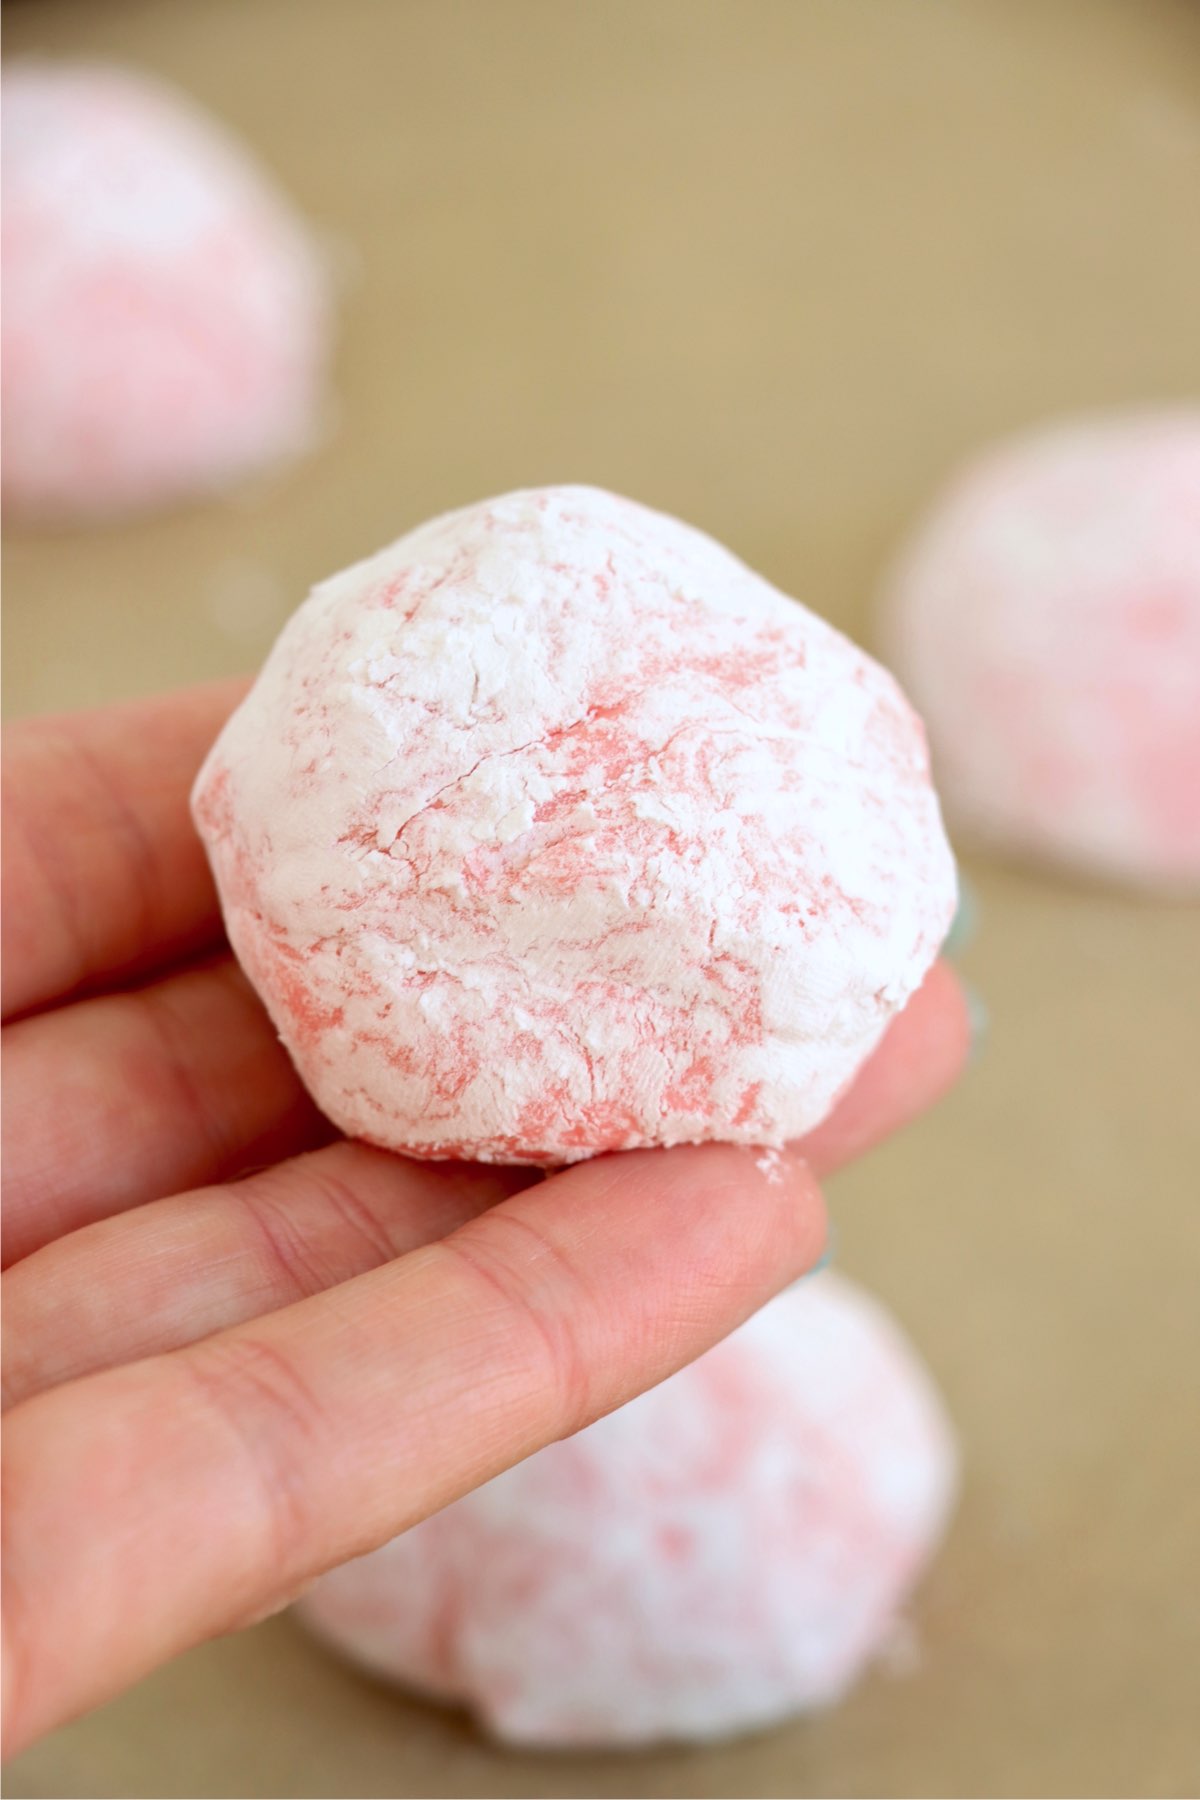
<point>730,1548</point>
<point>1046,620</point>
<point>166,315</point>
<point>552,830</point>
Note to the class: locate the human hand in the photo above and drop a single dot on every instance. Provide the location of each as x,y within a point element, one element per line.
<point>236,1351</point>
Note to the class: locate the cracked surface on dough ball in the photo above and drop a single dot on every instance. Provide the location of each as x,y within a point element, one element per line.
<point>552,829</point>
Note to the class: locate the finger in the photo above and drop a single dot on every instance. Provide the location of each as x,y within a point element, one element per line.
<point>186,1268</point>
<point>921,1054</point>
<point>198,1263</point>
<point>103,874</point>
<point>116,1101</point>
<point>213,1483</point>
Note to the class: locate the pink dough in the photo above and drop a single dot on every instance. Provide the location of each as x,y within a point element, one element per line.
<point>1046,619</point>
<point>553,830</point>
<point>166,315</point>
<point>730,1548</point>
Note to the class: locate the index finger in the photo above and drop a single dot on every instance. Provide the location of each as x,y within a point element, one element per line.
<point>104,875</point>
<point>214,1482</point>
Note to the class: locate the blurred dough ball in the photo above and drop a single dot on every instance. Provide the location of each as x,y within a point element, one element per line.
<point>166,314</point>
<point>724,1551</point>
<point>1046,622</point>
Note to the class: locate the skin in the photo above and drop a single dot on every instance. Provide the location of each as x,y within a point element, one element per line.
<point>238,1350</point>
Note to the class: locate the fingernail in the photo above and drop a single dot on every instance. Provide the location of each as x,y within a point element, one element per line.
<point>965,922</point>
<point>978,1017</point>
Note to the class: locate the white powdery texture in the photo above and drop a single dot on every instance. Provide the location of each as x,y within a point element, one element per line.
<point>726,1550</point>
<point>166,315</point>
<point>1046,620</point>
<point>552,829</point>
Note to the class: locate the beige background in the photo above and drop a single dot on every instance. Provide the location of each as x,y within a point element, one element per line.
<point>773,266</point>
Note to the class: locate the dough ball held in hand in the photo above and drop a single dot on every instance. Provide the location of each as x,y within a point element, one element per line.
<point>553,829</point>
<point>166,314</point>
<point>1046,620</point>
<point>728,1549</point>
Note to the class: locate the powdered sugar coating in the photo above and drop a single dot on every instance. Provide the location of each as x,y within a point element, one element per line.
<point>1046,619</point>
<point>552,829</point>
<point>728,1549</point>
<point>166,316</point>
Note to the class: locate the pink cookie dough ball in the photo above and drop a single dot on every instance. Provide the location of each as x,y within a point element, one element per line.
<point>166,314</point>
<point>1046,620</point>
<point>731,1548</point>
<point>552,830</point>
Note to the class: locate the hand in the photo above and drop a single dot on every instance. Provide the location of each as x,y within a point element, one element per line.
<point>237,1351</point>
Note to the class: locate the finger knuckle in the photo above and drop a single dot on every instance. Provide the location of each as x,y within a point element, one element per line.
<point>280,1434</point>
<point>293,1269</point>
<point>336,1235</point>
<point>545,1300</point>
